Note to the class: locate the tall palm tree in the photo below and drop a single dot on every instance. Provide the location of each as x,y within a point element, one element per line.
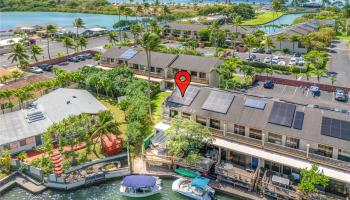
<point>268,43</point>
<point>250,41</point>
<point>293,39</point>
<point>136,30</point>
<point>276,6</point>
<point>50,29</point>
<point>112,37</point>
<point>78,23</point>
<point>149,42</point>
<point>18,54</point>
<point>105,124</point>
<point>237,20</point>
<point>35,50</point>
<point>83,42</point>
<point>68,42</point>
<point>280,38</point>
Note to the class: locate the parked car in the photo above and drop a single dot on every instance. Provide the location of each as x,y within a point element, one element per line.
<point>268,51</point>
<point>251,57</point>
<point>297,55</point>
<point>340,95</point>
<point>293,61</point>
<point>282,62</point>
<point>45,67</point>
<point>268,84</point>
<point>255,50</point>
<point>267,59</point>
<point>63,63</point>
<point>88,55</point>
<point>37,70</point>
<point>81,57</point>
<point>73,59</point>
<point>275,59</point>
<point>301,62</point>
<point>315,90</point>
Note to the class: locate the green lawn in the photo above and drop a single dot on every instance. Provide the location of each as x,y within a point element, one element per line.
<point>343,37</point>
<point>263,18</point>
<point>157,108</point>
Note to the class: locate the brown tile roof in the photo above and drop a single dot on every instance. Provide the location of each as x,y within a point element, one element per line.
<point>161,60</point>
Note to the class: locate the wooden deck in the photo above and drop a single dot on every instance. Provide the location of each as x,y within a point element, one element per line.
<point>230,190</point>
<point>17,179</point>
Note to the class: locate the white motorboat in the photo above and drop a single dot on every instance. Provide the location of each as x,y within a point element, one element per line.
<point>196,188</point>
<point>140,186</point>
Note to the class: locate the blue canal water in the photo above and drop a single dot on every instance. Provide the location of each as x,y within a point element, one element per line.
<point>105,191</point>
<point>284,20</point>
<point>193,1</point>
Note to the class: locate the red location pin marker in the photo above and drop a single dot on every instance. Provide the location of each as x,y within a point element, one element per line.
<point>182,80</point>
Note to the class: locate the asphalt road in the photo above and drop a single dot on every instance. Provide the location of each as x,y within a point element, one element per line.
<point>55,48</point>
<point>339,65</point>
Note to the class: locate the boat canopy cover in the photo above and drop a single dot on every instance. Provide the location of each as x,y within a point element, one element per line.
<point>139,181</point>
<point>200,182</point>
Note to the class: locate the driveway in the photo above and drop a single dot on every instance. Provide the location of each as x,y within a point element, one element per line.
<point>339,64</point>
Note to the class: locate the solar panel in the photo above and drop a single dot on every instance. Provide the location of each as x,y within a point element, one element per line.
<point>218,102</point>
<point>298,120</point>
<point>335,128</point>
<point>252,103</point>
<point>282,114</point>
<point>189,96</point>
<point>35,116</point>
<point>128,54</point>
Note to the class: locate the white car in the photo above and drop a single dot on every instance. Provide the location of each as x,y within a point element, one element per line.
<point>282,62</point>
<point>267,60</point>
<point>293,61</point>
<point>37,70</point>
<point>275,59</point>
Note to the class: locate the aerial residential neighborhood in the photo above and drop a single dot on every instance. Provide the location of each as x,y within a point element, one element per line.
<point>168,100</point>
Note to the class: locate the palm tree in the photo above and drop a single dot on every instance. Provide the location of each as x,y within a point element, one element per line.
<point>112,37</point>
<point>18,54</point>
<point>50,29</point>
<point>250,41</point>
<point>78,23</point>
<point>333,79</point>
<point>16,74</point>
<point>136,30</point>
<point>8,93</point>
<point>35,50</point>
<point>68,42</point>
<point>83,42</point>
<point>293,39</point>
<point>268,43</point>
<point>276,6</point>
<point>237,21</point>
<point>280,38</point>
<point>149,42</point>
<point>105,124</point>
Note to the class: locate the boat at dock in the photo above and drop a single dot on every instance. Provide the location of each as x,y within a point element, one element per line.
<point>140,186</point>
<point>187,172</point>
<point>196,188</point>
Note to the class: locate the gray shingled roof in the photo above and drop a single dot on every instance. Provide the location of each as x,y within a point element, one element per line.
<point>161,60</point>
<point>242,30</point>
<point>196,63</point>
<point>14,126</point>
<point>299,29</point>
<point>256,118</point>
<point>115,52</point>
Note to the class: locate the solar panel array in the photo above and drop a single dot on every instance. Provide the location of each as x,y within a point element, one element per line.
<point>335,128</point>
<point>298,120</point>
<point>218,102</point>
<point>252,103</point>
<point>282,114</point>
<point>189,96</point>
<point>35,116</point>
<point>128,54</point>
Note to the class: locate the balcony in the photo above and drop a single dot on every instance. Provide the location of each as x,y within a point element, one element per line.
<point>145,73</point>
<point>237,175</point>
<point>278,187</point>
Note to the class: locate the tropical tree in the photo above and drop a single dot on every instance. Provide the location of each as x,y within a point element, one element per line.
<point>276,6</point>
<point>50,29</point>
<point>268,43</point>
<point>280,38</point>
<point>78,23</point>
<point>68,42</point>
<point>18,54</point>
<point>333,79</point>
<point>16,74</point>
<point>293,39</point>
<point>112,37</point>
<point>35,50</point>
<point>136,30</point>
<point>250,41</point>
<point>310,179</point>
<point>105,124</point>
<point>83,42</point>
<point>5,161</point>
<point>149,42</point>
<point>237,21</point>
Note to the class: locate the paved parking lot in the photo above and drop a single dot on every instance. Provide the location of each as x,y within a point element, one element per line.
<point>299,95</point>
<point>72,66</point>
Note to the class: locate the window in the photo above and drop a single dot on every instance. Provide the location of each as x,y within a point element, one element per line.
<point>292,142</point>
<point>201,120</point>
<point>159,70</point>
<point>193,74</point>
<point>22,143</point>
<point>325,150</point>
<point>202,75</point>
<point>108,60</point>
<point>186,115</point>
<point>274,138</point>
<point>240,130</point>
<point>112,60</point>
<point>153,69</point>
<point>13,146</point>
<point>215,123</point>
<point>135,66</point>
<point>119,61</point>
<point>173,113</point>
<point>344,155</point>
<point>29,141</point>
<point>254,133</point>
<point>142,68</point>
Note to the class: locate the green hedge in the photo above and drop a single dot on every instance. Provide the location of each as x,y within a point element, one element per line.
<point>274,66</point>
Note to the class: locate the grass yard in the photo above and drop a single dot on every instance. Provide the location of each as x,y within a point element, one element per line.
<point>343,37</point>
<point>157,102</point>
<point>263,18</point>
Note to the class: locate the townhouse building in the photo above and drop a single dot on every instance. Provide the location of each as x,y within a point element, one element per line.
<point>262,136</point>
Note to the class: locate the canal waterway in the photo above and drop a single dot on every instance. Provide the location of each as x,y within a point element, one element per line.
<point>104,191</point>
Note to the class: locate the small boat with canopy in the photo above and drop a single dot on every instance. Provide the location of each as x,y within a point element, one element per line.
<point>196,188</point>
<point>140,186</point>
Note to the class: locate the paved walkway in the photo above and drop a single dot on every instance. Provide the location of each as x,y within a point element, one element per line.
<point>23,182</point>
